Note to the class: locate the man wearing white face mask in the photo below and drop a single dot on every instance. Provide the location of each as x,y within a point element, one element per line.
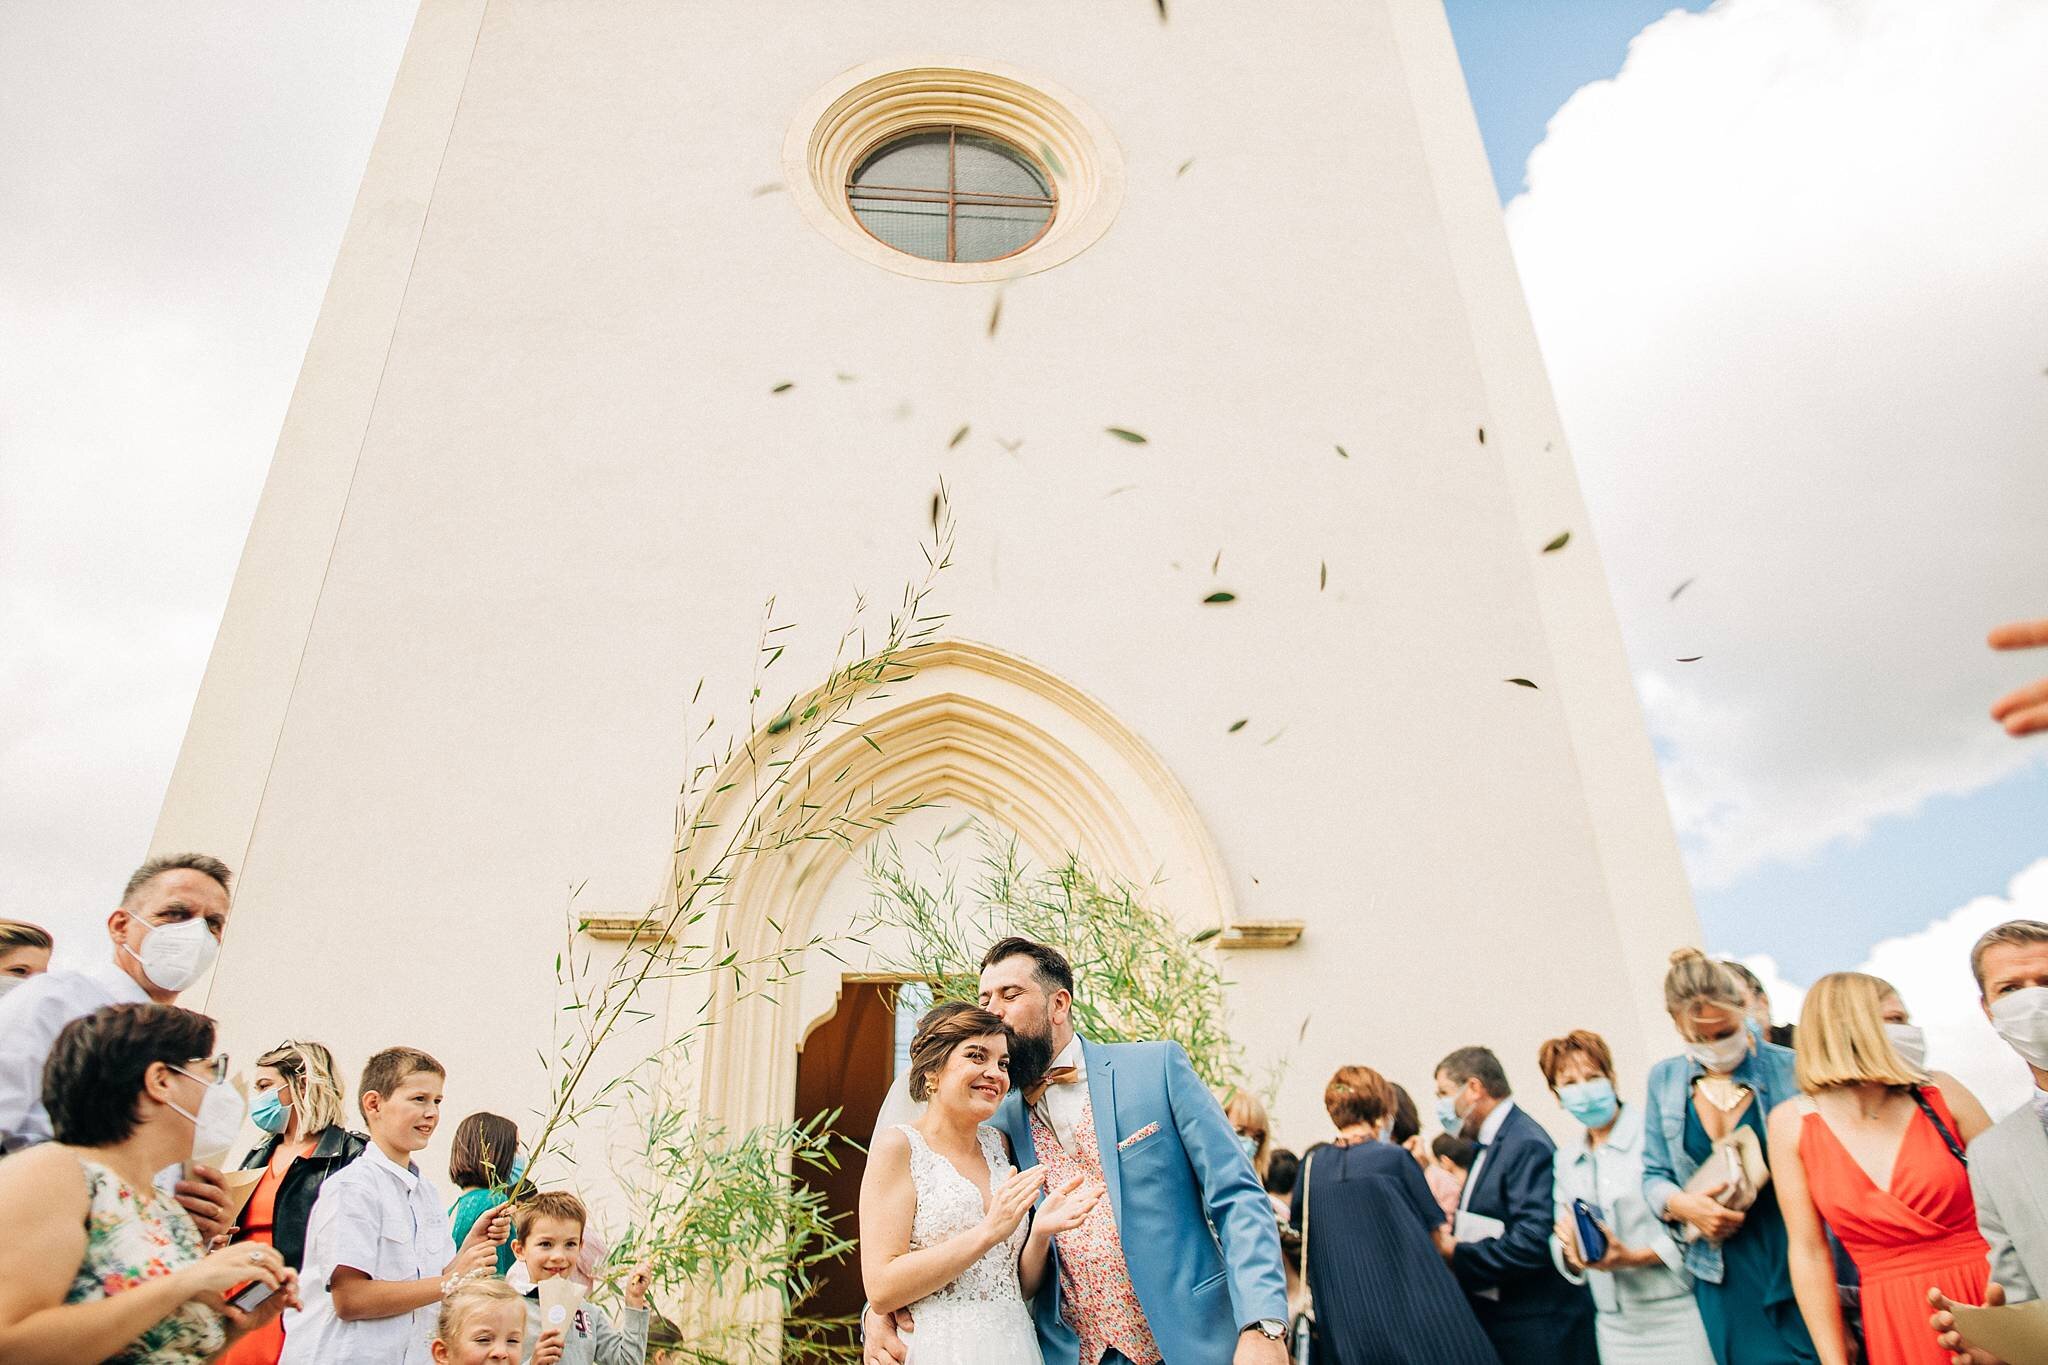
<point>164,936</point>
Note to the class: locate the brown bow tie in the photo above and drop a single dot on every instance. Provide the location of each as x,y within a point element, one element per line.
<point>1059,1075</point>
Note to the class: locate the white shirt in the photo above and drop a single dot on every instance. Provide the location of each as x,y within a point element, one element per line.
<point>1062,1104</point>
<point>385,1220</point>
<point>31,1017</point>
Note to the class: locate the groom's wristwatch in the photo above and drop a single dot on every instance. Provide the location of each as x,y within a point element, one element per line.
<point>1272,1329</point>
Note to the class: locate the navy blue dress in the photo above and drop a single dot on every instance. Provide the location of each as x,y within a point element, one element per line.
<point>1383,1296</point>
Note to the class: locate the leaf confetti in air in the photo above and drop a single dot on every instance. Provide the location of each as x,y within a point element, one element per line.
<point>1343,452</point>
<point>784,387</point>
<point>1482,435</point>
<point>1052,159</point>
<point>1184,167</point>
<point>1679,589</point>
<point>1523,682</point>
<point>958,437</point>
<point>1217,599</point>
<point>995,313</point>
<point>1323,576</point>
<point>1692,658</point>
<point>1126,434</point>
<point>1237,725</point>
<point>1564,538</point>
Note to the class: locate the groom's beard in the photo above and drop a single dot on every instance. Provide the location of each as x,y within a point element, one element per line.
<point>1030,1058</point>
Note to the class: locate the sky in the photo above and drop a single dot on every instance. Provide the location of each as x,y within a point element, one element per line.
<point>1783,260</point>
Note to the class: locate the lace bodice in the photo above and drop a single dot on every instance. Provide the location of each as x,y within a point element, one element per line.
<point>948,1204</point>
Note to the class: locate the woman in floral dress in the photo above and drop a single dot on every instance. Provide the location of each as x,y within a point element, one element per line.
<point>98,1264</point>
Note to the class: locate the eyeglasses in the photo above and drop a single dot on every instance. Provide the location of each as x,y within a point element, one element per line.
<point>217,1066</point>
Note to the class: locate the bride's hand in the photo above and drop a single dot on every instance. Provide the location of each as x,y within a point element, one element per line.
<point>1007,1209</point>
<point>1067,1207</point>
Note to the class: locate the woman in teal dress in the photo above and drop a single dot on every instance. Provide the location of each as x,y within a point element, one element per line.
<point>1727,1077</point>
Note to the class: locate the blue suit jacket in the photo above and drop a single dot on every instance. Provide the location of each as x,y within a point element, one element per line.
<point>1199,1235</point>
<point>1538,1316</point>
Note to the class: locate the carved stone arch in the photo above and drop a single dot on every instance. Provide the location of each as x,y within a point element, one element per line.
<point>977,728</point>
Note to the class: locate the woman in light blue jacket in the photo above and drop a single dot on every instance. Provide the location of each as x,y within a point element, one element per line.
<point>1643,1294</point>
<point>1727,1078</point>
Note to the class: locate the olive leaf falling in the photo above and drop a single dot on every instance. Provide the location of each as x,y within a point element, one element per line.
<point>1522,682</point>
<point>1184,167</point>
<point>959,436</point>
<point>784,387</point>
<point>1564,538</point>
<point>1323,576</point>
<point>1126,434</point>
<point>1237,725</point>
<point>1679,589</point>
<point>995,314</point>
<point>1217,599</point>
<point>1482,435</point>
<point>1692,658</point>
<point>1343,452</point>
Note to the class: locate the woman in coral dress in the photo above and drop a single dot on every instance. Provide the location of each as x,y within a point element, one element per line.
<point>1874,1149</point>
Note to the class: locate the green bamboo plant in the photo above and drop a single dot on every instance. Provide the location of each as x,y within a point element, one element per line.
<point>1137,975</point>
<point>716,1213</point>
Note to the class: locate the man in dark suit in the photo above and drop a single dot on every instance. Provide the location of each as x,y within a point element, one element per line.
<point>1532,1314</point>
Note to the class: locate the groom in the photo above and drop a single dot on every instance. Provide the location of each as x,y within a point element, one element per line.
<point>1181,1263</point>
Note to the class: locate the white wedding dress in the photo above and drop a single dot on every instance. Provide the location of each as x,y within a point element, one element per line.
<point>980,1318</point>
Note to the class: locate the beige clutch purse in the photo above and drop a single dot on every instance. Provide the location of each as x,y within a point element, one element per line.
<point>1736,1165</point>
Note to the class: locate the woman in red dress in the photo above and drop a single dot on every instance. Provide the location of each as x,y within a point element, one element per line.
<point>300,1104</point>
<point>1874,1150</point>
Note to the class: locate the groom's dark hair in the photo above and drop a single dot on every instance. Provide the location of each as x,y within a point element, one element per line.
<point>1053,970</point>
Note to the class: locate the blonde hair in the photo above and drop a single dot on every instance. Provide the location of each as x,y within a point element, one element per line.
<point>557,1204</point>
<point>1246,1110</point>
<point>1695,980</point>
<point>2014,933</point>
<point>470,1297</point>
<point>308,1069</point>
<point>1842,1039</point>
<point>16,933</point>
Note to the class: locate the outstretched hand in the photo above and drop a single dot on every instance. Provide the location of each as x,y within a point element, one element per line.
<point>1949,1339</point>
<point>2024,710</point>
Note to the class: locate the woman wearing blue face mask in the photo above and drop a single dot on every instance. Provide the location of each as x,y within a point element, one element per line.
<point>1641,1291</point>
<point>299,1104</point>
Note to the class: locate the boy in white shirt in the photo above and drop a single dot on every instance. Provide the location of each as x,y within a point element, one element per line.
<point>379,1255</point>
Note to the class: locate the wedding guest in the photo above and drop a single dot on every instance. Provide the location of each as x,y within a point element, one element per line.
<point>1283,1169</point>
<point>1444,1182</point>
<point>547,1236</point>
<point>97,1264</point>
<point>1874,1149</point>
<point>1759,1004</point>
<point>2011,966</point>
<point>482,1322</point>
<point>1530,1312</point>
<point>24,952</point>
<point>1375,1242</point>
<point>1728,1077</point>
<point>1644,1312</point>
<point>1448,1168</point>
<point>485,1164</point>
<point>299,1104</point>
<point>164,935</point>
<point>378,1252</point>
<point>1247,1115</point>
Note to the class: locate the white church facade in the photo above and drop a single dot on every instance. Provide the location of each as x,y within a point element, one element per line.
<point>650,311</point>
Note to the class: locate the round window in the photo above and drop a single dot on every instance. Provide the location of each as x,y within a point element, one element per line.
<point>951,194</point>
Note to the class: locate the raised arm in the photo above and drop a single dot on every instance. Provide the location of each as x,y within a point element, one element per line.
<point>1811,1263</point>
<point>896,1276</point>
<point>1236,1202</point>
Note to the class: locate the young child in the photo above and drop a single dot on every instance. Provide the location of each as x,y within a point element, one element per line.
<point>547,1237</point>
<point>483,1322</point>
<point>378,1250</point>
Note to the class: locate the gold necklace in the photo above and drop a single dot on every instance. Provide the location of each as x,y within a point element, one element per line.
<point>1715,1088</point>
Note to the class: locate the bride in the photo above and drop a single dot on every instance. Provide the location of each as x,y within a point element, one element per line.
<point>943,1230</point>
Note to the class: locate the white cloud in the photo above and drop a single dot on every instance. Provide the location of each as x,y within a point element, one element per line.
<point>1786,272</point>
<point>1931,970</point>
